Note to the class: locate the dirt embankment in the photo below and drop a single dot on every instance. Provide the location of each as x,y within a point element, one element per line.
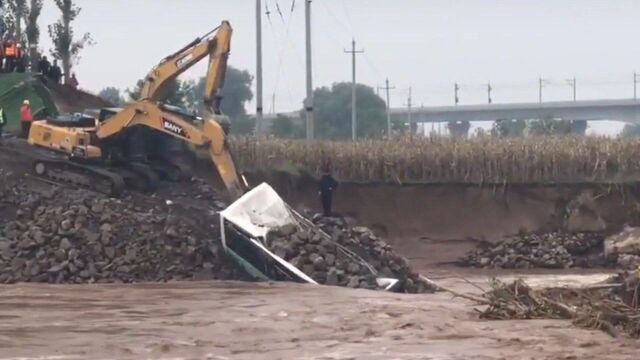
<point>436,224</point>
<point>68,99</point>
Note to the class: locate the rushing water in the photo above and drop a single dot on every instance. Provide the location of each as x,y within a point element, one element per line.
<point>228,320</point>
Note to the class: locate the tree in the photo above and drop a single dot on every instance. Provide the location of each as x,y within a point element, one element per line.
<point>112,95</point>
<point>177,93</point>
<point>333,112</point>
<point>66,49</point>
<point>236,93</point>
<point>508,128</point>
<point>547,126</point>
<point>630,130</point>
<point>459,128</point>
<point>3,25</point>
<point>134,94</point>
<point>285,127</point>
<point>32,30</point>
<point>17,11</point>
<point>578,127</point>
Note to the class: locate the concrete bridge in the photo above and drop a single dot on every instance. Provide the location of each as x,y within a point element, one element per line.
<point>627,110</point>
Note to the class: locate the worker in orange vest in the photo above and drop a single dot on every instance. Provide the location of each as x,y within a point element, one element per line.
<point>26,118</point>
<point>10,54</point>
<point>21,60</point>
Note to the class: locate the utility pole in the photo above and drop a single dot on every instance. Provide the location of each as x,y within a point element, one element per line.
<point>489,88</point>
<point>572,83</point>
<point>540,84</point>
<point>354,113</point>
<point>259,67</point>
<point>635,86</point>
<point>412,126</point>
<point>456,88</point>
<point>387,88</point>
<point>273,103</point>
<point>309,101</point>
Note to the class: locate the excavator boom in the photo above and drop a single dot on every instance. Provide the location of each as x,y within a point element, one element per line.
<point>216,44</point>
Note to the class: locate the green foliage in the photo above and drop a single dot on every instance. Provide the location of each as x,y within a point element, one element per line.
<point>630,130</point>
<point>333,112</point>
<point>32,29</point>
<point>236,93</point>
<point>134,93</point>
<point>511,128</point>
<point>399,127</point>
<point>17,11</point>
<point>508,128</point>
<point>65,47</point>
<point>578,127</point>
<point>176,93</point>
<point>547,127</point>
<point>480,132</point>
<point>243,125</point>
<point>286,128</point>
<point>459,128</point>
<point>112,95</point>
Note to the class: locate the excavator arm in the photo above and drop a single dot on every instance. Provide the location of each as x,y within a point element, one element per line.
<point>209,136</point>
<point>148,111</point>
<point>216,44</point>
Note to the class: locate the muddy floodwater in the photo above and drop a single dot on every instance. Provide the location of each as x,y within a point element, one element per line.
<point>228,320</point>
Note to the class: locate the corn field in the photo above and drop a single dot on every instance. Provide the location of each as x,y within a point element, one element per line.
<point>477,160</point>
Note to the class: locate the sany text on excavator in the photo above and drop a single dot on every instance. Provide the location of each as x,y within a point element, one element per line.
<point>93,153</point>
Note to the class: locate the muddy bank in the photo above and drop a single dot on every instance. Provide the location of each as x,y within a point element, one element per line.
<point>436,224</point>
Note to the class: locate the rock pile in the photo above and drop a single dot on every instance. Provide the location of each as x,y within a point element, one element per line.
<point>334,253</point>
<point>75,236</point>
<point>623,249</point>
<point>550,250</point>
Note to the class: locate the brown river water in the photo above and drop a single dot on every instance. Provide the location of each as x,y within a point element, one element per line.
<point>229,320</point>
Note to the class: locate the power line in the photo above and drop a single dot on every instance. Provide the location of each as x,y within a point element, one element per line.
<point>280,12</point>
<point>346,11</point>
<point>279,73</point>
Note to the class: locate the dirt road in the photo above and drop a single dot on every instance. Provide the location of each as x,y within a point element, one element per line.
<point>224,320</point>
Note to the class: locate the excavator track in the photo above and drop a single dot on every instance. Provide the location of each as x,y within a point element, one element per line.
<point>86,176</point>
<point>144,178</point>
<point>169,170</point>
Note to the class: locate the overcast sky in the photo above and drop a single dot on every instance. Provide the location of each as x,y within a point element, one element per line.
<point>424,44</point>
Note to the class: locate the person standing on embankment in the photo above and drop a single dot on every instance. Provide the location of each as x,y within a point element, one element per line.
<point>26,118</point>
<point>327,186</point>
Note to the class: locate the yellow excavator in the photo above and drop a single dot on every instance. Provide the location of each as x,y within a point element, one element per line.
<point>92,152</point>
